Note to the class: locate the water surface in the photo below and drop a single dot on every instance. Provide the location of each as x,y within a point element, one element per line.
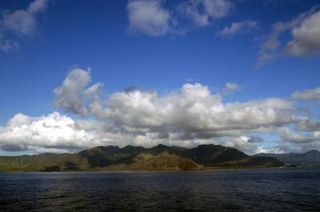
<point>239,190</point>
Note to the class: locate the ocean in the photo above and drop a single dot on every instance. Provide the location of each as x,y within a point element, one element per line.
<point>222,190</point>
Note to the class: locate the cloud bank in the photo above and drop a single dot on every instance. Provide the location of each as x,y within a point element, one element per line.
<point>54,131</point>
<point>187,117</point>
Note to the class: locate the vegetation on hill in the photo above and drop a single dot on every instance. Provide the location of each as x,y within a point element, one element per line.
<point>160,157</point>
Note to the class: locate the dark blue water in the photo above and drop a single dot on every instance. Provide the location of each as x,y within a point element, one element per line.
<point>253,190</point>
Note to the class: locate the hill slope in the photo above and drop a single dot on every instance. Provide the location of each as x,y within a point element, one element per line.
<point>160,157</point>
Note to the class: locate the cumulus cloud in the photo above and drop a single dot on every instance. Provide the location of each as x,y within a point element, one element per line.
<point>184,117</point>
<point>74,94</point>
<point>237,27</point>
<point>193,108</point>
<point>59,133</point>
<point>188,116</point>
<point>306,130</point>
<point>149,17</point>
<point>306,37</point>
<point>304,30</point>
<point>15,24</point>
<point>55,131</point>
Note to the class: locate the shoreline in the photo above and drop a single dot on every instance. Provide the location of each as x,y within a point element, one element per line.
<point>163,171</point>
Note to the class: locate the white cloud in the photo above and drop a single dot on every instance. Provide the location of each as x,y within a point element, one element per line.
<point>73,95</point>
<point>149,17</point>
<point>152,18</point>
<point>193,108</point>
<point>270,47</point>
<point>306,37</point>
<point>307,129</point>
<point>295,136</point>
<point>303,137</point>
<point>183,117</point>
<point>60,133</point>
<point>230,87</point>
<point>189,116</point>
<point>312,94</point>
<point>305,40</point>
<point>237,27</point>
<point>204,12</point>
<point>19,23</point>
<point>309,125</point>
<point>53,131</point>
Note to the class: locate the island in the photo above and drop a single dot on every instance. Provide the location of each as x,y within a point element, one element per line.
<point>158,158</point>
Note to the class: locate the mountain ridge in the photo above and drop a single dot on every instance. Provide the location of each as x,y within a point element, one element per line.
<point>310,158</point>
<point>160,157</point>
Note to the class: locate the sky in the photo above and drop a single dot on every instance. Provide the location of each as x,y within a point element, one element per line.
<point>79,74</point>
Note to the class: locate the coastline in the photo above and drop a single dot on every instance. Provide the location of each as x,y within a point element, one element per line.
<point>167,171</point>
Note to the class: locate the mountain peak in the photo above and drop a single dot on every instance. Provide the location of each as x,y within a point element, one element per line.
<point>161,146</point>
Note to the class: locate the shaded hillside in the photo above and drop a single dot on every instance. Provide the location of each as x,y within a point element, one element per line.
<point>161,161</point>
<point>110,155</point>
<point>308,159</point>
<point>160,157</point>
<point>212,155</point>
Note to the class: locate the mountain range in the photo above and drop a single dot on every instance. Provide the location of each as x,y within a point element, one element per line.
<point>160,157</point>
<point>307,159</point>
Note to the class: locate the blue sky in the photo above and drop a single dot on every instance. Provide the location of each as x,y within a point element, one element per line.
<point>124,49</point>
